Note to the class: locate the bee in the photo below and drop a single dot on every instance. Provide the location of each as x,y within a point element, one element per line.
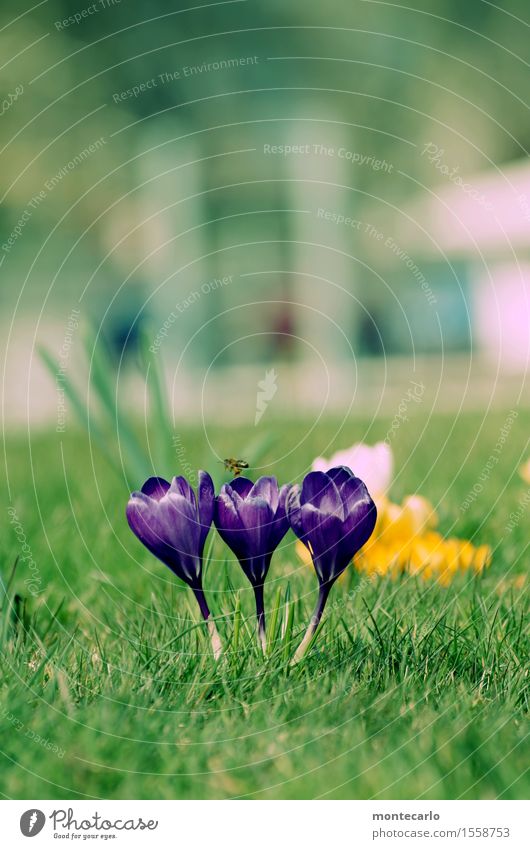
<point>234,466</point>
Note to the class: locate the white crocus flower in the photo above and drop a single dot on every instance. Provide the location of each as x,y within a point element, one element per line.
<point>374,464</point>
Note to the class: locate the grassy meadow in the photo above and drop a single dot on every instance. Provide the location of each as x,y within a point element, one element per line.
<point>108,688</point>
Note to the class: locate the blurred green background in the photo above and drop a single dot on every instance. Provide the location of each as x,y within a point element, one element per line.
<point>143,156</point>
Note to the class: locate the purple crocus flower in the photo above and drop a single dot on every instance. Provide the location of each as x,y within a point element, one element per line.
<point>173,523</point>
<point>334,515</point>
<point>252,521</point>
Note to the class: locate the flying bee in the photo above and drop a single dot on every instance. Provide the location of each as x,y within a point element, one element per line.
<point>234,466</point>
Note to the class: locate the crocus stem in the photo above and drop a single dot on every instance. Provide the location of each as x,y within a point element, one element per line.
<point>212,629</point>
<point>315,621</point>
<point>260,613</point>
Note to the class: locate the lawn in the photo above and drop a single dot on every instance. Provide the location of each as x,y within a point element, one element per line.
<point>108,688</point>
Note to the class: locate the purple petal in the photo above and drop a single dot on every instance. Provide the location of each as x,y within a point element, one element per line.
<point>360,521</point>
<point>253,525</point>
<point>267,489</point>
<point>180,486</point>
<point>353,492</point>
<point>206,499</point>
<point>256,517</point>
<point>281,521</point>
<point>333,536</point>
<point>282,498</point>
<point>141,514</point>
<point>169,529</point>
<point>155,488</point>
<point>180,522</point>
<point>242,486</point>
<point>339,475</point>
<point>322,533</point>
<point>319,490</point>
<point>226,511</point>
<point>228,522</point>
<point>294,511</point>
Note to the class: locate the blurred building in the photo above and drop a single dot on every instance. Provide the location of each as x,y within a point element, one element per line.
<point>482,223</point>
<point>242,188</point>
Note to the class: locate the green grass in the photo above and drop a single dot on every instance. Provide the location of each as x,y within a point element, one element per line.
<point>108,688</point>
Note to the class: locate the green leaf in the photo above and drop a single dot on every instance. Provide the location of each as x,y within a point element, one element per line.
<point>159,406</point>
